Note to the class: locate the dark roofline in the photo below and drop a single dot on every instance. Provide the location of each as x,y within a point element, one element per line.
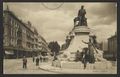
<point>112,37</point>
<point>43,39</point>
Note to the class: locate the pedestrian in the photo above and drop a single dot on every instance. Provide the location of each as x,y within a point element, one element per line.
<point>41,58</point>
<point>55,58</point>
<point>33,58</point>
<point>77,56</point>
<point>37,61</point>
<point>24,62</point>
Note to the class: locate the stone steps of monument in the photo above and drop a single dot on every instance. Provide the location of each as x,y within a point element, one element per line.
<point>80,65</point>
<point>97,65</point>
<point>72,65</point>
<point>56,64</point>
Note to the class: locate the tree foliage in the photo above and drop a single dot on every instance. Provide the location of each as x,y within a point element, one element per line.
<point>54,46</point>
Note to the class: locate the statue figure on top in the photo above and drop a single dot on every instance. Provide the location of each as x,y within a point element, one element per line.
<point>81,20</point>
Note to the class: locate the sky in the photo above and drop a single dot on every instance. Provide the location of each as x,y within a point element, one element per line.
<point>55,24</point>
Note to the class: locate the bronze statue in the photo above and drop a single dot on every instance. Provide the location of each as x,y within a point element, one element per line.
<point>81,18</point>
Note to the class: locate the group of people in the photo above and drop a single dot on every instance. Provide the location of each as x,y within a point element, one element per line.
<point>37,60</point>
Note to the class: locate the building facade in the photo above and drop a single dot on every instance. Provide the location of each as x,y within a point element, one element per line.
<point>104,46</point>
<point>20,39</point>
<point>112,46</point>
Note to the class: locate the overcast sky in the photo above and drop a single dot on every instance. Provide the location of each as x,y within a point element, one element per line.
<point>56,24</point>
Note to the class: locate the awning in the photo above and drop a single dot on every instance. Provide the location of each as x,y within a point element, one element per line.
<point>9,52</point>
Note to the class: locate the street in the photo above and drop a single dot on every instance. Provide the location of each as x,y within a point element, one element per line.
<point>14,66</point>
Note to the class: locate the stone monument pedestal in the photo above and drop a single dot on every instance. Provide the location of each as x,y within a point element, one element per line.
<point>80,33</point>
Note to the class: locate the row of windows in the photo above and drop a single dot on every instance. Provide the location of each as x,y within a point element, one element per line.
<point>19,32</point>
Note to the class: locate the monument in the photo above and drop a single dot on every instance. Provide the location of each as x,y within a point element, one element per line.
<point>79,38</point>
<point>79,32</point>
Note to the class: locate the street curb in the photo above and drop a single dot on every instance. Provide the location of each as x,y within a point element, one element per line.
<point>51,70</point>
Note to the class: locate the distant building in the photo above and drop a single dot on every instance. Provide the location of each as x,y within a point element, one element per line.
<point>20,39</point>
<point>112,46</point>
<point>104,46</point>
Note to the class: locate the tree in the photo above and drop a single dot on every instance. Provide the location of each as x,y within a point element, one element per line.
<point>54,47</point>
<point>51,47</point>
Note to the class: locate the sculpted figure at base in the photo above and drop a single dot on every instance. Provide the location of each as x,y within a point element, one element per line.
<point>94,52</point>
